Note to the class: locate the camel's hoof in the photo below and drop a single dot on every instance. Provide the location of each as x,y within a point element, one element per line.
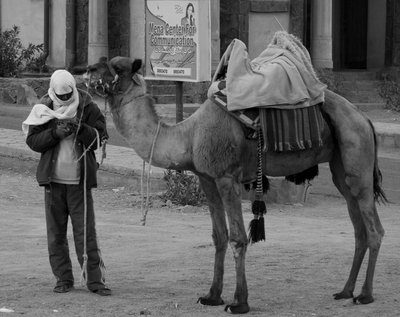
<point>363,299</point>
<point>237,309</point>
<point>210,302</point>
<point>343,295</point>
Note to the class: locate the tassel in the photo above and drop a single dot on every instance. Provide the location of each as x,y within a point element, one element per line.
<point>261,229</point>
<point>256,230</point>
<point>259,207</point>
<point>253,229</point>
<point>256,226</point>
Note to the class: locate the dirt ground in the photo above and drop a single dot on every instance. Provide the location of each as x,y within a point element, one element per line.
<point>161,269</point>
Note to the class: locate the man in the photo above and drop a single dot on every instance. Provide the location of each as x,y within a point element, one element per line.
<point>63,129</point>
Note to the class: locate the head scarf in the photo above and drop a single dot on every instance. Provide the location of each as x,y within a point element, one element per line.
<point>61,82</point>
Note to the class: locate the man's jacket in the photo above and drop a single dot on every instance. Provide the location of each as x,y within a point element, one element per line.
<point>43,139</point>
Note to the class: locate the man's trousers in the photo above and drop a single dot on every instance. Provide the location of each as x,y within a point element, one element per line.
<point>63,201</point>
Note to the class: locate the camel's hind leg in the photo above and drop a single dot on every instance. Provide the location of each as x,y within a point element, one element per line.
<point>356,185</point>
<point>220,238</point>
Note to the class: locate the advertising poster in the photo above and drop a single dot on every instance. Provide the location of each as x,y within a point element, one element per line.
<point>178,40</point>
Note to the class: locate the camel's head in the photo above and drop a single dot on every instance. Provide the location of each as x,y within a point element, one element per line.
<point>108,78</point>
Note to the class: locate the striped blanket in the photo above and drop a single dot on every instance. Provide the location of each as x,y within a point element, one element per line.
<point>283,130</point>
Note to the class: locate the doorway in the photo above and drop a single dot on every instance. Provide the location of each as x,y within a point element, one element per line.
<point>350,25</point>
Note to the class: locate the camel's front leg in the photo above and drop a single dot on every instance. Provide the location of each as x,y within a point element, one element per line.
<point>220,238</point>
<point>229,188</point>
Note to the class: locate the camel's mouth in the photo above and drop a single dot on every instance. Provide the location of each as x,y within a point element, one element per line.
<point>90,79</point>
<point>95,82</point>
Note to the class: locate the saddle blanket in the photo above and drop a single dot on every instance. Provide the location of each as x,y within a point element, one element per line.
<point>283,130</point>
<point>282,76</point>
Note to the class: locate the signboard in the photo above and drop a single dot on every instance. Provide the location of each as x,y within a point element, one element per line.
<point>178,40</point>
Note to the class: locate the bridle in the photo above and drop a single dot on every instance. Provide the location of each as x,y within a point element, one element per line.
<point>111,88</point>
<point>105,87</point>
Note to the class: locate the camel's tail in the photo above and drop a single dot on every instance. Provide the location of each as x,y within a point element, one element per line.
<point>379,194</point>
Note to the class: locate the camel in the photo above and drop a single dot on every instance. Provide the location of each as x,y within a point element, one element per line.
<point>211,144</point>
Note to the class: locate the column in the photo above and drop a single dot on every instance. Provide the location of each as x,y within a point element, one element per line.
<point>98,31</point>
<point>137,29</point>
<point>321,40</point>
<point>215,35</point>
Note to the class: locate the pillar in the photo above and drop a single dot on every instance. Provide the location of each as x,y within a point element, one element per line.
<point>98,31</point>
<point>321,40</point>
<point>137,29</point>
<point>215,35</point>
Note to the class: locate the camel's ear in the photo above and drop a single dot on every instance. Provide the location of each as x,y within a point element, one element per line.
<point>136,79</point>
<point>136,65</point>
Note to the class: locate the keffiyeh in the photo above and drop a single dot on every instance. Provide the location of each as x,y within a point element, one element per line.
<point>61,82</point>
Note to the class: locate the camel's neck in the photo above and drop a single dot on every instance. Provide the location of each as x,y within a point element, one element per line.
<point>137,121</point>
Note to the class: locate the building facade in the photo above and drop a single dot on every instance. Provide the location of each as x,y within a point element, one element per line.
<point>339,34</point>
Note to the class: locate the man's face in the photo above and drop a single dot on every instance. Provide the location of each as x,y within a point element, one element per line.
<point>65,97</point>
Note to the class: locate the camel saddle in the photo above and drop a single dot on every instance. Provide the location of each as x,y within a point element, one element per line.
<point>283,130</point>
<point>278,92</point>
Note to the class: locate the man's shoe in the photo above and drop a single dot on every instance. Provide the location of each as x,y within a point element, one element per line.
<point>64,288</point>
<point>102,291</point>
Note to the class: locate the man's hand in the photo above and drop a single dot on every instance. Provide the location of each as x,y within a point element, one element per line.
<point>63,131</point>
<point>73,126</point>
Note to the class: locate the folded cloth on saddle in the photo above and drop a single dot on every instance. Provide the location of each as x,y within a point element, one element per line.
<point>283,129</point>
<point>281,77</point>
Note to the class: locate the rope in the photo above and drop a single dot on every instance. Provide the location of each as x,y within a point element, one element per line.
<point>104,143</point>
<point>83,277</point>
<point>143,221</point>
<point>85,150</point>
<point>85,256</point>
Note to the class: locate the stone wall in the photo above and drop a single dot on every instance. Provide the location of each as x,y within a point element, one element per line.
<point>392,43</point>
<point>23,91</point>
<point>82,31</point>
<point>298,16</point>
<point>118,29</point>
<point>234,22</point>
<point>28,91</point>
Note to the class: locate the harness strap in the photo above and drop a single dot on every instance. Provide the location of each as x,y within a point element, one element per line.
<point>111,69</point>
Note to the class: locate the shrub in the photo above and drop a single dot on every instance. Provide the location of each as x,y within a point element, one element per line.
<point>389,89</point>
<point>183,189</point>
<point>14,57</point>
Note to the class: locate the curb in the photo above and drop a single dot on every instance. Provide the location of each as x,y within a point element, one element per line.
<point>388,134</point>
<point>109,175</point>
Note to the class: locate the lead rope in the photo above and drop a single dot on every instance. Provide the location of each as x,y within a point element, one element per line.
<point>83,277</point>
<point>144,213</point>
<point>104,141</point>
<point>85,256</point>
